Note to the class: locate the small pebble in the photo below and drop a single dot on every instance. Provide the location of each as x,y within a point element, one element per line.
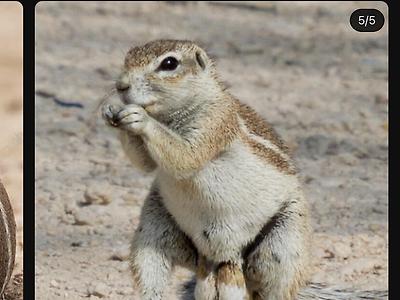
<point>54,284</point>
<point>99,290</point>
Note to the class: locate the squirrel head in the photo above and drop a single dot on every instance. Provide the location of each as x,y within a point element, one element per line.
<point>164,76</point>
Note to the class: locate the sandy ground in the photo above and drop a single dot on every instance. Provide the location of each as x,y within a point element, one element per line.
<point>11,121</point>
<point>300,65</point>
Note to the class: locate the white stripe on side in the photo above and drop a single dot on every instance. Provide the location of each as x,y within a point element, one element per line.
<point>259,139</point>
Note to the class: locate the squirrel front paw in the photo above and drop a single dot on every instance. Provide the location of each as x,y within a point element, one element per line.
<point>110,114</point>
<point>130,117</point>
<point>133,118</point>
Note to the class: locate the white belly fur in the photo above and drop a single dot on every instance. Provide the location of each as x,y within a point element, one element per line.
<point>232,198</point>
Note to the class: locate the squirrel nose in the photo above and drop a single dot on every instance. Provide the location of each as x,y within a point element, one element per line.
<point>123,83</point>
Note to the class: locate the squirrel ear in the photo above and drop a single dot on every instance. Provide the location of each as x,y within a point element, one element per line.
<point>200,59</point>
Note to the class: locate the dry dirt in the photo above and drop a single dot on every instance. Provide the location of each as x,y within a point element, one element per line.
<point>300,65</point>
<point>11,124</point>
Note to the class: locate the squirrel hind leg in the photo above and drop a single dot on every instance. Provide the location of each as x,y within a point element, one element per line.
<point>205,288</point>
<point>158,245</point>
<point>278,268</point>
<point>230,282</point>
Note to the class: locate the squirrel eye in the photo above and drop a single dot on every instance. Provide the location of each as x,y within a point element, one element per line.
<point>168,64</point>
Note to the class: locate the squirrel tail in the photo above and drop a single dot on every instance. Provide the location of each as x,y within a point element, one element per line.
<point>313,291</point>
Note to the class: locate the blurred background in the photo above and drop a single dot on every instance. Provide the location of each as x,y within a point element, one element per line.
<point>11,116</point>
<point>299,64</point>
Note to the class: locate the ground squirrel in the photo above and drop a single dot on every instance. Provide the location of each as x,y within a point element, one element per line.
<point>7,240</point>
<point>226,201</point>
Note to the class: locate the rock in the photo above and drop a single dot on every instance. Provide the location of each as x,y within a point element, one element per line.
<point>121,253</point>
<point>342,250</point>
<point>83,217</point>
<point>76,244</point>
<point>99,290</point>
<point>328,254</point>
<point>54,284</point>
<point>98,193</point>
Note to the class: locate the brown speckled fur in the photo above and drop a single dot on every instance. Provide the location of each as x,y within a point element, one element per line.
<point>142,55</point>
<point>271,156</point>
<point>202,270</point>
<point>218,128</point>
<point>230,274</point>
<point>260,127</point>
